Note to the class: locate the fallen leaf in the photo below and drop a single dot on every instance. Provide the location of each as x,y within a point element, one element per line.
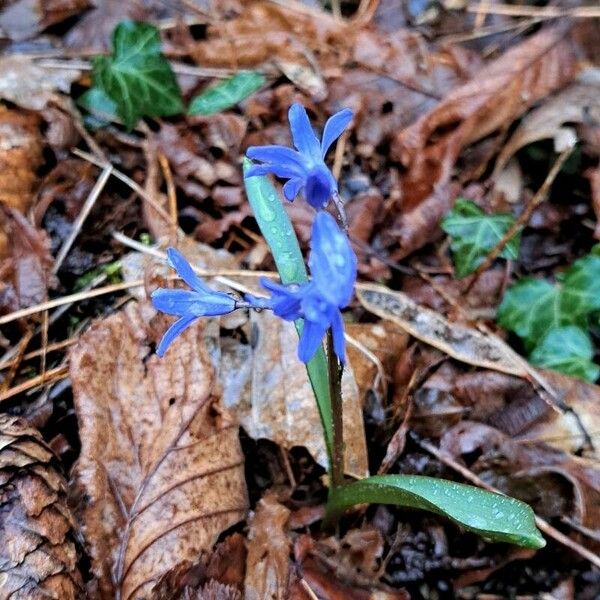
<point>38,552</point>
<point>26,261</point>
<point>459,341</point>
<point>269,390</point>
<point>593,176</point>
<point>578,104</point>
<point>499,93</point>
<point>268,562</point>
<point>20,157</point>
<point>24,18</point>
<point>161,469</point>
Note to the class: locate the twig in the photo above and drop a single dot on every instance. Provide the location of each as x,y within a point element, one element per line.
<point>542,524</point>
<point>48,377</point>
<point>544,12</point>
<point>126,180</point>
<point>523,218</point>
<point>171,191</point>
<point>308,589</point>
<point>34,353</point>
<point>83,215</point>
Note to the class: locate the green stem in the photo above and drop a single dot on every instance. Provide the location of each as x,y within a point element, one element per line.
<point>337,415</point>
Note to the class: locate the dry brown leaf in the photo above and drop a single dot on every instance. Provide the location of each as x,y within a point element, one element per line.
<point>25,262</point>
<point>268,562</point>
<point>27,84</point>
<point>577,104</point>
<point>38,555</point>
<point>20,157</point>
<point>269,390</point>
<point>496,95</point>
<point>593,176</point>
<point>459,341</point>
<point>24,18</point>
<point>161,469</point>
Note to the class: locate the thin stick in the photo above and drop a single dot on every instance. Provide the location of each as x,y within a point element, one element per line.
<point>335,393</point>
<point>523,219</point>
<point>546,12</point>
<point>48,377</point>
<point>126,180</point>
<point>548,529</point>
<point>83,215</point>
<point>171,191</point>
<point>34,353</point>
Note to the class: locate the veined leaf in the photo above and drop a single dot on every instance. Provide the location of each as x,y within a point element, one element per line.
<point>279,234</point>
<point>490,515</point>
<point>226,94</point>
<point>475,233</point>
<point>581,285</point>
<point>568,350</point>
<point>137,77</point>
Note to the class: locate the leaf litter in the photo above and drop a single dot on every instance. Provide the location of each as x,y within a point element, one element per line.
<point>435,120</point>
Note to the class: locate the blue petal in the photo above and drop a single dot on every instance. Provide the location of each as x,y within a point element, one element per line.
<point>310,339</point>
<point>303,135</point>
<point>185,302</point>
<point>285,171</point>
<point>185,271</point>
<point>286,302</point>
<point>280,155</point>
<point>334,128</point>
<point>292,188</point>
<point>339,343</point>
<point>332,261</point>
<point>258,301</point>
<point>176,329</point>
<point>319,187</point>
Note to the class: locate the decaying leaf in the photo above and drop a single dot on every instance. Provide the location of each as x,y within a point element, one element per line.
<point>25,261</point>
<point>269,390</point>
<point>268,562</point>
<point>496,95</point>
<point>20,157</point>
<point>578,104</point>
<point>29,85</point>
<point>38,555</point>
<point>160,470</point>
<point>459,341</point>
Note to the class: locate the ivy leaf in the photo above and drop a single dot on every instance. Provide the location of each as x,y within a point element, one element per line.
<point>475,233</point>
<point>531,308</point>
<point>568,350</point>
<point>581,285</point>
<point>493,516</point>
<point>100,105</point>
<point>226,94</point>
<point>137,77</point>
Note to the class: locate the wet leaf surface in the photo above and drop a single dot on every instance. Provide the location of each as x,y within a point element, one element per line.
<point>160,465</point>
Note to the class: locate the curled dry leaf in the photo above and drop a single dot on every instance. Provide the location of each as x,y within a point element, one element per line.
<point>38,555</point>
<point>267,565</point>
<point>497,94</point>
<point>269,390</point>
<point>161,469</point>
<point>27,261</point>
<point>29,85</point>
<point>577,104</point>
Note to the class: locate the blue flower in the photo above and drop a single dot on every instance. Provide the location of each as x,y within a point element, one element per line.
<point>200,301</point>
<point>304,168</point>
<point>333,267</point>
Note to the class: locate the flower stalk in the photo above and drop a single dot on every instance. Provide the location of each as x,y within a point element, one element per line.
<point>335,371</point>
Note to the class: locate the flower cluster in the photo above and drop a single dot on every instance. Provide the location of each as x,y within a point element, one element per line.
<point>305,167</point>
<point>332,261</point>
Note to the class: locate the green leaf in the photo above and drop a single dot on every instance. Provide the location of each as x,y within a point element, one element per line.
<point>99,103</point>
<point>493,516</point>
<point>531,308</point>
<point>475,233</point>
<point>581,285</point>
<point>226,94</point>
<point>279,234</point>
<point>137,77</point>
<point>568,350</point>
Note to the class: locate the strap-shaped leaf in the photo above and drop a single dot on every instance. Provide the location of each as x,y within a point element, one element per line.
<point>227,93</point>
<point>490,515</point>
<point>279,234</point>
<point>137,77</point>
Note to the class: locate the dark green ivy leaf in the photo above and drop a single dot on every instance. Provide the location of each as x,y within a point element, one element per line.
<point>137,77</point>
<point>568,350</point>
<point>475,233</point>
<point>226,94</point>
